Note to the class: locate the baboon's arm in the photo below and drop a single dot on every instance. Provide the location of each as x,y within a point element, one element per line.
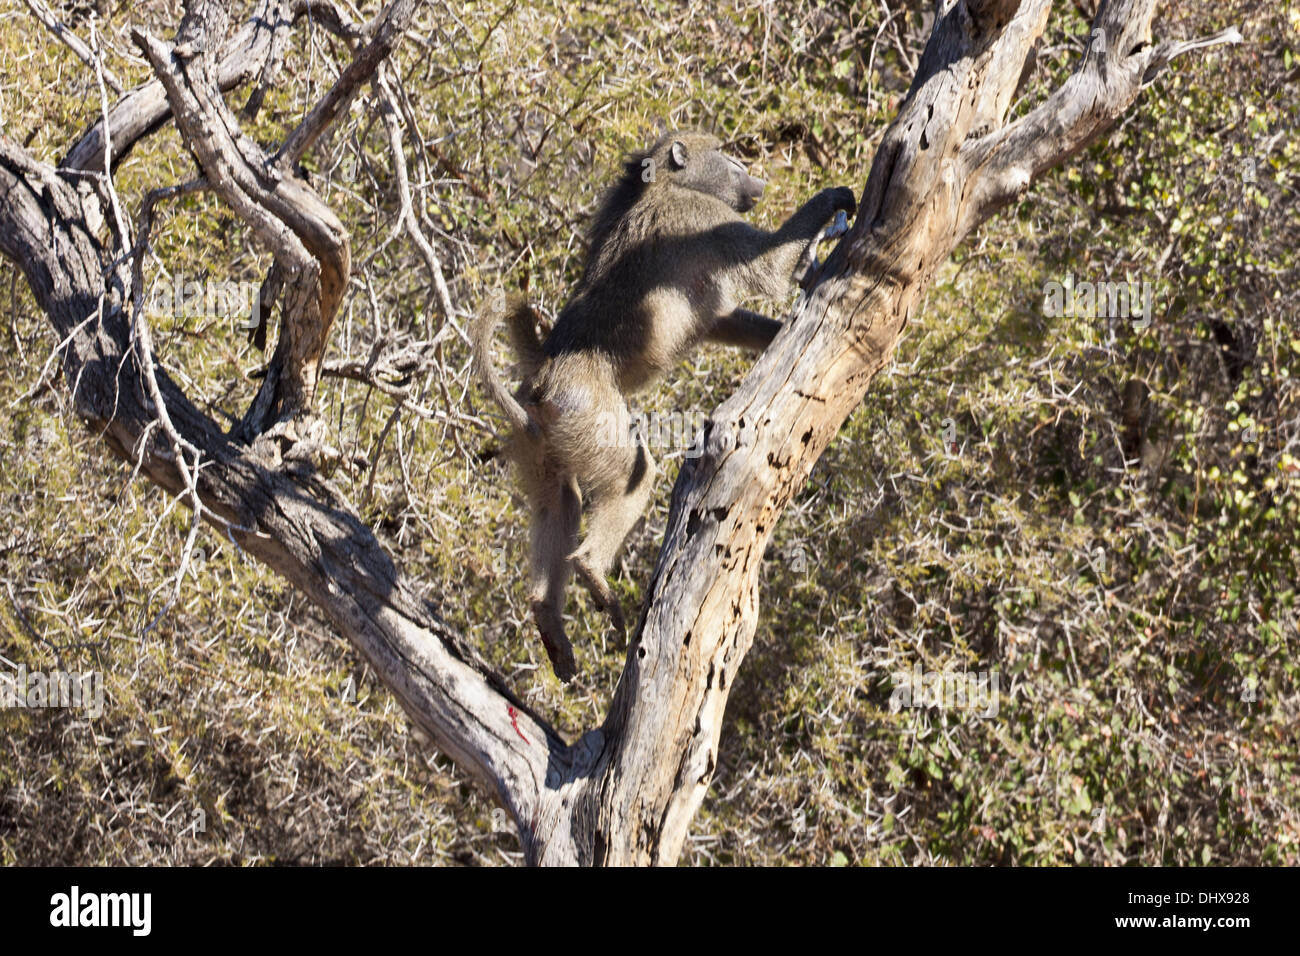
<point>772,270</point>
<point>745,329</point>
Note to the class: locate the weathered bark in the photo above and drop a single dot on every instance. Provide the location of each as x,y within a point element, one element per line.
<point>309,243</point>
<point>626,792</point>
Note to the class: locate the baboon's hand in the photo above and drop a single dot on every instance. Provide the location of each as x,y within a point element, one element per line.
<point>837,227</point>
<point>842,198</point>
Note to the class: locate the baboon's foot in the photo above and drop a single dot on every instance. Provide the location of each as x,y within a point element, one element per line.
<point>556,642</point>
<point>560,651</point>
<point>606,599</point>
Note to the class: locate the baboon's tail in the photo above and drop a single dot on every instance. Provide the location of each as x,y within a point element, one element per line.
<point>522,325</point>
<point>522,334</point>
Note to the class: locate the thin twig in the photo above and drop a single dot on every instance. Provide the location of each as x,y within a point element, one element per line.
<point>74,43</point>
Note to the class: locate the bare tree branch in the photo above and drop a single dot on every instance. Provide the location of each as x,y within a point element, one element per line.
<point>1120,61</point>
<point>245,55</point>
<point>384,36</point>
<point>406,216</point>
<point>309,243</point>
<point>73,42</point>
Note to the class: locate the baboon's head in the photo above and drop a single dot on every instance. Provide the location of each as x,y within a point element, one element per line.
<point>695,161</point>
<point>690,160</point>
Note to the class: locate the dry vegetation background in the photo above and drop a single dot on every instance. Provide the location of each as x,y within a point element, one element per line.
<point>1129,608</point>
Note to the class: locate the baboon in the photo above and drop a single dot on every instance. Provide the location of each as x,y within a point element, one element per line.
<point>669,261</point>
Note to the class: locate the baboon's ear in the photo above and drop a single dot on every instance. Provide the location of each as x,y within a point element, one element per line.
<point>677,155</point>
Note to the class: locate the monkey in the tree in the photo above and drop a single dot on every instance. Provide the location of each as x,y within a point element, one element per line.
<point>668,263</point>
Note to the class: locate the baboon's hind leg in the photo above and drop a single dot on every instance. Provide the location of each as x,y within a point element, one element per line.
<point>556,512</point>
<point>616,506</point>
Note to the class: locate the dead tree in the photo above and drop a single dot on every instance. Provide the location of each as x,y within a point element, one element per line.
<point>625,792</point>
